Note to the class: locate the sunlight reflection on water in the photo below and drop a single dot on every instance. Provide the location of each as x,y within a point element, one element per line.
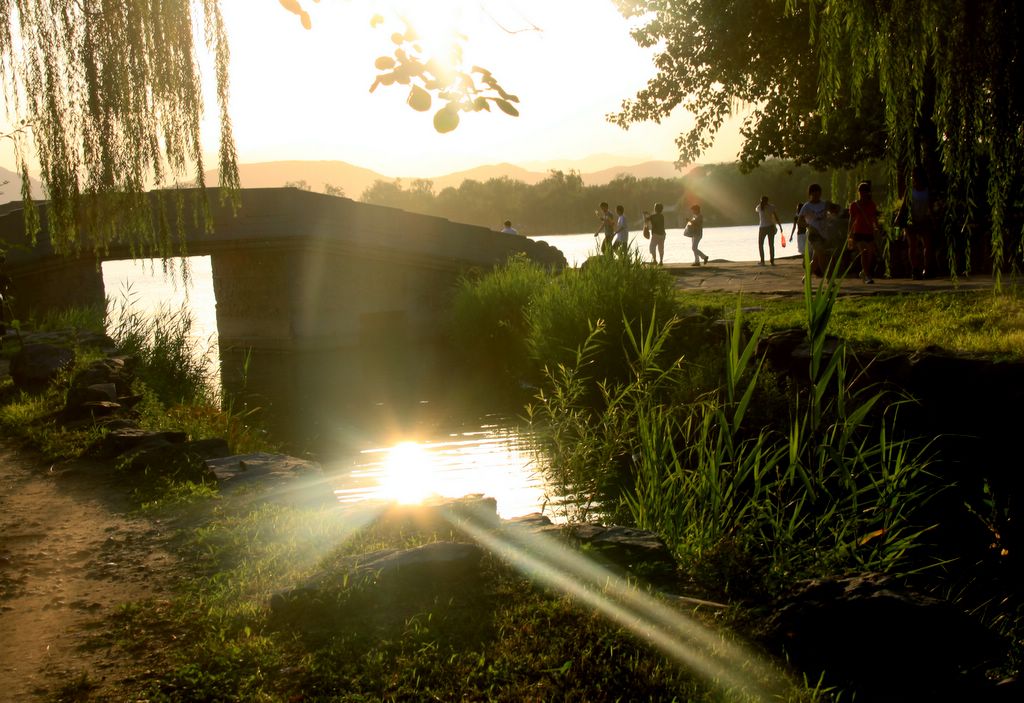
<point>493,460</point>
<point>485,455</point>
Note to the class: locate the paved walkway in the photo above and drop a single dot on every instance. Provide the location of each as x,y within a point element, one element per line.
<point>785,279</point>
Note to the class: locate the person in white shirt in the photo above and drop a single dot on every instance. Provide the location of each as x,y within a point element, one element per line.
<point>621,230</point>
<point>768,220</point>
<point>812,215</point>
<point>508,228</point>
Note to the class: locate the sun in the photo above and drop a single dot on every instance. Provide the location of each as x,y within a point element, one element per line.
<point>409,475</point>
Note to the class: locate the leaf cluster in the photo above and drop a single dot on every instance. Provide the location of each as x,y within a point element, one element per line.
<point>440,76</point>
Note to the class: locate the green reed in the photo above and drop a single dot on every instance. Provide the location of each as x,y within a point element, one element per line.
<point>827,485</point>
<point>171,361</point>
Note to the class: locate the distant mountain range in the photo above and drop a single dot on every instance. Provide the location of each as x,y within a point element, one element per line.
<point>11,189</point>
<point>355,179</point>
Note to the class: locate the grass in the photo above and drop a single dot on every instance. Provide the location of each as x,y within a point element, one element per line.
<point>501,637</point>
<point>976,322</point>
<point>828,487</point>
<point>755,483</point>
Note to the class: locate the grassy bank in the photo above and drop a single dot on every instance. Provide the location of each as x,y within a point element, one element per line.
<point>755,481</point>
<point>977,322</point>
<point>171,372</point>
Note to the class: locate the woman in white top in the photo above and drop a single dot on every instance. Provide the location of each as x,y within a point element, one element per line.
<point>621,229</point>
<point>768,221</point>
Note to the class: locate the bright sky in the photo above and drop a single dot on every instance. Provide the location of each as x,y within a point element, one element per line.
<point>304,94</point>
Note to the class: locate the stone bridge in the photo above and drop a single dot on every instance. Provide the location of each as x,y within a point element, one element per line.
<point>295,270</point>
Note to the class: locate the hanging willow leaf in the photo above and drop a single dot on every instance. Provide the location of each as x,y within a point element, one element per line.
<point>114,101</point>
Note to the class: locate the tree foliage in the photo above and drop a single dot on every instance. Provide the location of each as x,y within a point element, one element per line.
<point>716,56</point>
<point>837,82</point>
<point>946,71</point>
<point>563,203</point>
<point>107,97</point>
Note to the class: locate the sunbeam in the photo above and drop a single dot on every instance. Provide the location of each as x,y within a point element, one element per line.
<point>713,655</point>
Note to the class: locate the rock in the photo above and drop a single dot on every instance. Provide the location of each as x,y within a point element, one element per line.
<point>887,642</point>
<point>442,514</point>
<point>531,520</point>
<point>35,366</point>
<point>277,477</point>
<point>390,579</point>
<point>431,563</point>
<point>627,548</point>
<point>113,370</point>
<point>119,441</point>
<point>185,461</point>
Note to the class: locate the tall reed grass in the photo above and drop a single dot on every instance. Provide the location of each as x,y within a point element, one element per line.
<point>171,361</point>
<point>828,485</point>
<point>178,378</point>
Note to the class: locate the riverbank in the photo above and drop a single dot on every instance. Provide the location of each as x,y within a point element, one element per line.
<point>785,278</point>
<point>280,602</point>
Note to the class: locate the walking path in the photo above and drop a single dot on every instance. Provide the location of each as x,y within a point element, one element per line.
<point>785,279</point>
<point>71,555</point>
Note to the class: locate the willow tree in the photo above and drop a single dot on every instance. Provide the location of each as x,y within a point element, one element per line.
<point>107,96</point>
<point>947,73</point>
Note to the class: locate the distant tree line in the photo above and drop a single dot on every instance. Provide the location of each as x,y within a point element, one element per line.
<point>562,203</point>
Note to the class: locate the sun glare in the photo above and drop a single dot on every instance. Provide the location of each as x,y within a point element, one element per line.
<point>409,475</point>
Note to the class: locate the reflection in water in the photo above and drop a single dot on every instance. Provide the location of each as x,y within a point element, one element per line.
<point>493,460</point>
<point>391,420</point>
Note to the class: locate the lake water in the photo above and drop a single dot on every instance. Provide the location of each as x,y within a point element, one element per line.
<point>415,441</point>
<point>727,243</point>
<point>402,437</point>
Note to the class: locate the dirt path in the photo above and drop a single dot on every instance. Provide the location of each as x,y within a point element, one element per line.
<point>70,556</point>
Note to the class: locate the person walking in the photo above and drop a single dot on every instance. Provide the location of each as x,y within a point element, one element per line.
<point>800,229</point>
<point>607,226</point>
<point>695,231</point>
<point>656,223</point>
<point>812,216</point>
<point>621,241</point>
<point>863,228</point>
<point>919,229</point>
<point>768,220</point>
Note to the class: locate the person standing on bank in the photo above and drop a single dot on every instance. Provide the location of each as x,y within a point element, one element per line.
<point>695,231</point>
<point>812,217</point>
<point>768,220</point>
<point>919,228</point>
<point>508,228</point>
<point>863,226</point>
<point>800,229</point>
<point>607,226</point>
<point>621,241</point>
<point>656,223</point>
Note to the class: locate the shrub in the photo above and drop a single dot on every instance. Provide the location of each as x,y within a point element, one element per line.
<point>620,293</point>
<point>489,317</point>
